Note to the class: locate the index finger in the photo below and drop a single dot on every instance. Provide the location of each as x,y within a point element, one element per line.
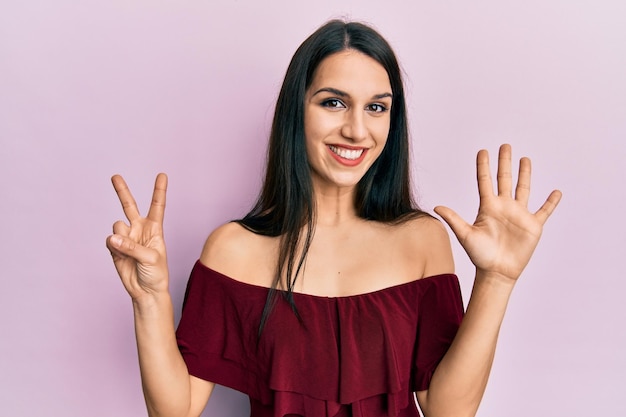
<point>157,206</point>
<point>483,174</point>
<point>126,198</point>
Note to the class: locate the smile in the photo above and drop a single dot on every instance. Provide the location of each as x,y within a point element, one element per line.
<point>350,154</point>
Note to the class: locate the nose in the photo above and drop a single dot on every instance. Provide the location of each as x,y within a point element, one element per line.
<point>354,127</point>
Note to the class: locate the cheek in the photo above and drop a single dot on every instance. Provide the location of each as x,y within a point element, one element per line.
<point>310,134</point>
<point>317,126</point>
<point>312,138</point>
<point>381,131</point>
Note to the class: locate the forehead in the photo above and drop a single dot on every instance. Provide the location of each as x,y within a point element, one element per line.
<point>353,72</point>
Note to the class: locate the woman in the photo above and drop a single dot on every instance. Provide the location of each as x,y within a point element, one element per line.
<point>335,295</point>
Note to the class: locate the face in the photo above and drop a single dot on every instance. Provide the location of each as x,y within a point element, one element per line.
<point>346,118</point>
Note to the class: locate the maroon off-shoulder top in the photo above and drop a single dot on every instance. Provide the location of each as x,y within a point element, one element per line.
<point>361,355</point>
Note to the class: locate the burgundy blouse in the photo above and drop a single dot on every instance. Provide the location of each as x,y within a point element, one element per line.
<point>361,355</point>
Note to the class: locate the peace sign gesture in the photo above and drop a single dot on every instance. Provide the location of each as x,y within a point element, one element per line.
<point>504,234</point>
<point>138,248</point>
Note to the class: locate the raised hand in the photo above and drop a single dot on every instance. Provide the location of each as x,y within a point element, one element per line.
<point>138,248</point>
<point>504,234</point>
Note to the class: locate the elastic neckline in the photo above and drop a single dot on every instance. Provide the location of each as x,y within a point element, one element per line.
<point>392,288</point>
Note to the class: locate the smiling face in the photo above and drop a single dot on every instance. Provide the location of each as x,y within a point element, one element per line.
<point>346,118</point>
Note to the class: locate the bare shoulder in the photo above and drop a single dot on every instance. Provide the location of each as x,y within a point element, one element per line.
<point>239,253</point>
<point>426,240</point>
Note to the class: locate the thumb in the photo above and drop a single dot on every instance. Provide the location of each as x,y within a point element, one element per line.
<point>125,247</point>
<point>459,227</point>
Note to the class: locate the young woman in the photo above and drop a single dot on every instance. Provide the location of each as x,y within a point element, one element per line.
<point>335,295</point>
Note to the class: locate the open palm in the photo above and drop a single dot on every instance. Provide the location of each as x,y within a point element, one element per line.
<point>505,233</point>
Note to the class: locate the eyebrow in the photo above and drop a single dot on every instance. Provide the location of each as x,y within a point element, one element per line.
<point>344,94</point>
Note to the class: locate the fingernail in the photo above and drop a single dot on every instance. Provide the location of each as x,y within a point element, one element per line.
<point>116,241</point>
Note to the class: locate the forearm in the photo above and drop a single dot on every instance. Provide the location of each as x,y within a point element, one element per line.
<point>164,375</point>
<point>460,380</point>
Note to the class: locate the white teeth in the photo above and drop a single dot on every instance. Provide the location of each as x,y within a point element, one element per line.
<point>350,154</point>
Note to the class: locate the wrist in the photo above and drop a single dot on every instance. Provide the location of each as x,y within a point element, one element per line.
<point>495,279</point>
<point>152,304</point>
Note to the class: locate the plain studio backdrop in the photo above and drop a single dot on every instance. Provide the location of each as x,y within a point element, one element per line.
<point>92,88</point>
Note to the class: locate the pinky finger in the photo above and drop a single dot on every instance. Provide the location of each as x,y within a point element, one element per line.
<point>548,207</point>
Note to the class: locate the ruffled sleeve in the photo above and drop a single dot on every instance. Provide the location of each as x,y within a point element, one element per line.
<point>359,356</point>
<point>440,311</point>
<point>217,330</point>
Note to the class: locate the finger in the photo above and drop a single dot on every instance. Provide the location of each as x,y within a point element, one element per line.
<point>504,171</point>
<point>157,207</point>
<point>548,207</point>
<point>522,190</point>
<point>126,198</point>
<point>112,244</point>
<point>483,174</point>
<point>459,227</point>
<point>121,246</point>
<point>121,228</point>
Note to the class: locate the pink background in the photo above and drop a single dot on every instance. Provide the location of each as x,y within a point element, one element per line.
<point>92,88</point>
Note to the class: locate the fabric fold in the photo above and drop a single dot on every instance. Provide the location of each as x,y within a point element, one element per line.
<point>360,355</point>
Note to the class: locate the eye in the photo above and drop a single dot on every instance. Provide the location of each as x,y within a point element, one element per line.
<point>377,108</point>
<point>333,103</point>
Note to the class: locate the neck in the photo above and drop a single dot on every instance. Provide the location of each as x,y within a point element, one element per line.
<point>334,205</point>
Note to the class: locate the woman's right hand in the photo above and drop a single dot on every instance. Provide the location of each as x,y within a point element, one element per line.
<point>138,249</point>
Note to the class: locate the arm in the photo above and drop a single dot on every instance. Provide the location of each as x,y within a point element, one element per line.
<point>138,252</point>
<point>500,244</point>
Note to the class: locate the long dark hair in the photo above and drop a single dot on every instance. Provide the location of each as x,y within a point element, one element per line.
<point>286,204</point>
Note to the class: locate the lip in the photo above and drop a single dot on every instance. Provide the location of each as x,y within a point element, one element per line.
<point>344,161</point>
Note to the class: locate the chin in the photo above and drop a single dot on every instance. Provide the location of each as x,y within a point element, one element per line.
<point>344,181</point>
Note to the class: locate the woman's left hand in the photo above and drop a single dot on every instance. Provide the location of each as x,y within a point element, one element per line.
<point>504,234</point>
